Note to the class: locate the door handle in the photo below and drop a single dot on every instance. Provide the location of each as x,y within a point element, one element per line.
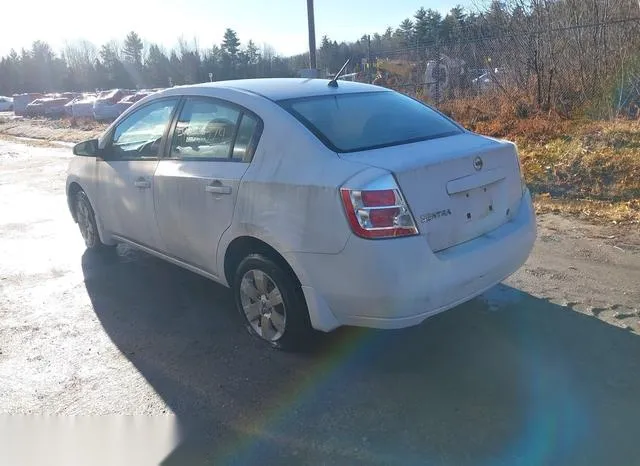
<point>218,189</point>
<point>142,183</point>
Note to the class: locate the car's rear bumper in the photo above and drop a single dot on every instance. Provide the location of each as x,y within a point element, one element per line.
<point>400,282</point>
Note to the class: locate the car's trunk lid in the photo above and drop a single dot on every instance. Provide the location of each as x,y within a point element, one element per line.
<point>457,187</point>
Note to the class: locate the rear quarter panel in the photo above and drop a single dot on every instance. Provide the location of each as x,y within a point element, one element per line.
<point>290,194</point>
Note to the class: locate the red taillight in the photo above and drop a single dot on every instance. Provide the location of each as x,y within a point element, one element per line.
<point>378,198</point>
<point>380,213</point>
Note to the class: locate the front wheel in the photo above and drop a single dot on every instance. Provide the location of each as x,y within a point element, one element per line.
<point>271,301</point>
<point>86,219</point>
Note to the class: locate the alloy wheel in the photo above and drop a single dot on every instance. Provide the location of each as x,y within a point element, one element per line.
<point>263,305</point>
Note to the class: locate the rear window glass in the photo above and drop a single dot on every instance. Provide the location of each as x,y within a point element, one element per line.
<point>361,121</point>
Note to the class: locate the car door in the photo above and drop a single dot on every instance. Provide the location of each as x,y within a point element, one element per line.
<point>125,183</point>
<point>196,185</point>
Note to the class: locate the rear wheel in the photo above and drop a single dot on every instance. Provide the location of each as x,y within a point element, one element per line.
<point>86,219</point>
<point>271,301</point>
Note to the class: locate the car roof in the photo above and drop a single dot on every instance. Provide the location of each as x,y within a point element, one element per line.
<point>289,88</point>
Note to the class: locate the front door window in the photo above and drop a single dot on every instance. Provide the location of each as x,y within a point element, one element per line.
<point>139,135</point>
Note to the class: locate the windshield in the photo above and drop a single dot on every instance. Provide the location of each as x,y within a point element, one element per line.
<point>361,121</point>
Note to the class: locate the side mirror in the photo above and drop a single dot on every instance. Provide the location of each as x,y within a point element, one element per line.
<point>87,148</point>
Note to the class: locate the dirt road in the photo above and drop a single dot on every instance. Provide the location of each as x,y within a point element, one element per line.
<point>544,369</point>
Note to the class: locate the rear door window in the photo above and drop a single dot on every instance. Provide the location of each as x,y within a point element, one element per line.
<point>209,129</point>
<point>205,130</point>
<point>369,120</point>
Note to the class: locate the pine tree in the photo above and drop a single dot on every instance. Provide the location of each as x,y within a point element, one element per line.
<point>405,33</point>
<point>10,76</point>
<point>230,42</point>
<point>251,57</point>
<point>175,76</point>
<point>157,67</point>
<point>116,74</point>
<point>421,27</point>
<point>434,23</point>
<point>253,54</point>
<point>132,50</point>
<point>42,58</point>
<point>453,25</point>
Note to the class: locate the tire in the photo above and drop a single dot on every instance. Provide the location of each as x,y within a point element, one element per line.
<point>86,220</point>
<point>271,303</point>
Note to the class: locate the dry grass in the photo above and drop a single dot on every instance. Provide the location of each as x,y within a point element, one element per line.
<point>594,160</point>
<point>619,213</point>
<point>65,129</point>
<point>29,142</point>
<point>513,117</point>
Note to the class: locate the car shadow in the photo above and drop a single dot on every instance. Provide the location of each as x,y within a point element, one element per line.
<point>507,379</point>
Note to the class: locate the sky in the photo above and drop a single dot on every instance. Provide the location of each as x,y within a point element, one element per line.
<point>279,23</point>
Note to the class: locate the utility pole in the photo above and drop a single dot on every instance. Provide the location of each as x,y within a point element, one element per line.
<point>312,36</point>
<point>369,64</point>
<point>438,76</point>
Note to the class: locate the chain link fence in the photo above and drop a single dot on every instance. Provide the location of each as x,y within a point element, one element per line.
<point>591,67</point>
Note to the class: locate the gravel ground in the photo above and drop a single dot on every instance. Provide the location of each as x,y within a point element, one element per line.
<point>543,369</point>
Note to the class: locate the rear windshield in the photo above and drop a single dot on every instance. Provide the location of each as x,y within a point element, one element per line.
<point>361,121</point>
